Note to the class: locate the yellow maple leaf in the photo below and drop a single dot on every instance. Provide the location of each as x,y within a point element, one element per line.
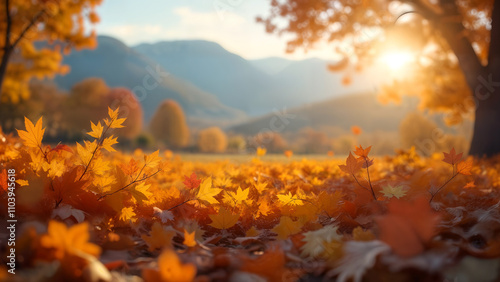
<point>222,182</point>
<point>170,269</point>
<point>261,151</point>
<point>206,192</point>
<point>288,199</point>
<point>108,143</point>
<point>70,241</point>
<point>140,192</point>
<point>96,130</point>
<point>224,219</point>
<point>397,191</point>
<point>152,160</point>
<point>159,237</point>
<point>189,238</point>
<point>100,166</point>
<point>237,198</point>
<point>261,186</point>
<point>287,227</point>
<point>85,153</point>
<point>128,214</point>
<point>33,135</point>
<point>114,121</point>
<point>56,168</point>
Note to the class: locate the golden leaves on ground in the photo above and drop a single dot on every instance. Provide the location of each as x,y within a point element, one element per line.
<point>254,220</point>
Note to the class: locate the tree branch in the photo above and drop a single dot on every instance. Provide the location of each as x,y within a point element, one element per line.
<point>30,25</point>
<point>448,21</point>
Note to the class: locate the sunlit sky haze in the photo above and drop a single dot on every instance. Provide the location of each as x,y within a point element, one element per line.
<point>231,23</point>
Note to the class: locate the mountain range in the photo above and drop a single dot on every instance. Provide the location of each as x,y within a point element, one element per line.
<point>212,84</point>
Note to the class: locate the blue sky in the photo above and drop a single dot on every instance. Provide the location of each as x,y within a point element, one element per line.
<point>231,23</point>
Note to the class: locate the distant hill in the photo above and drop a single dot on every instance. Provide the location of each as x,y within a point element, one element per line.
<point>271,65</point>
<point>256,87</point>
<point>357,109</point>
<point>120,65</point>
<point>211,68</point>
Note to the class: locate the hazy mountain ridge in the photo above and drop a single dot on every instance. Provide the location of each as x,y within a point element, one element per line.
<point>256,87</point>
<point>357,109</point>
<point>121,66</point>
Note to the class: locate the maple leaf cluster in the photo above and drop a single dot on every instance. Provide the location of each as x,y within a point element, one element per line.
<point>92,213</point>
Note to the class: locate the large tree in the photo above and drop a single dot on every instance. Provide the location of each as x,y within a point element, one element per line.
<point>24,22</point>
<point>457,44</point>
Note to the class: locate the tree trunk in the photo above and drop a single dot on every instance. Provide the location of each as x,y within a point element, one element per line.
<point>3,68</point>
<point>486,138</point>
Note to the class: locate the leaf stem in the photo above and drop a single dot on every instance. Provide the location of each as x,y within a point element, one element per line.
<point>442,186</point>
<point>99,144</point>
<point>136,180</point>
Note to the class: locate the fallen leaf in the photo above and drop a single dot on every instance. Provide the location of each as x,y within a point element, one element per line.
<point>224,219</point>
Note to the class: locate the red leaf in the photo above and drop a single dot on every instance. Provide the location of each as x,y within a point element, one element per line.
<point>452,158</point>
<point>192,181</point>
<point>408,226</point>
<point>362,153</point>
<point>61,147</point>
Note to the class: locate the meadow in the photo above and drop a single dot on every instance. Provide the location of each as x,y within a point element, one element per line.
<point>87,212</point>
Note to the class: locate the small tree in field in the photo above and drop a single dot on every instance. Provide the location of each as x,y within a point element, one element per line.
<point>92,97</point>
<point>169,126</point>
<point>23,22</point>
<point>212,140</point>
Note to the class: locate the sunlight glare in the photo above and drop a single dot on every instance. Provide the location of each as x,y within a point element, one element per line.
<point>397,60</point>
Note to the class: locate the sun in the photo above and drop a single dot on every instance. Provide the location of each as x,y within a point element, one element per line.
<point>397,60</point>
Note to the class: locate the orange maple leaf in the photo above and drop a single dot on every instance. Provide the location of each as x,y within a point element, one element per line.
<point>192,181</point>
<point>470,185</point>
<point>170,268</point>
<point>33,135</point>
<point>189,238</point>
<point>451,157</point>
<point>159,238</point>
<point>352,165</point>
<point>130,168</point>
<point>68,241</point>
<point>270,265</point>
<point>362,153</point>
<point>464,167</point>
<point>61,147</point>
<point>408,226</point>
